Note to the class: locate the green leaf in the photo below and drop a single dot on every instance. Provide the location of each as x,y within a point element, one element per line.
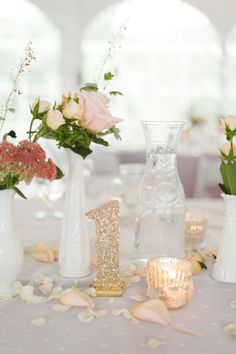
<point>116,131</point>
<point>60,174</point>
<point>108,76</point>
<point>12,110</point>
<point>84,152</point>
<point>19,193</point>
<point>89,87</point>
<point>223,188</point>
<point>11,133</point>
<point>202,264</point>
<point>100,141</point>
<point>228,173</point>
<point>116,93</point>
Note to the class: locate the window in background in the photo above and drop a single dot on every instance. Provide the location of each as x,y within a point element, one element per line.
<point>22,22</point>
<point>170,61</point>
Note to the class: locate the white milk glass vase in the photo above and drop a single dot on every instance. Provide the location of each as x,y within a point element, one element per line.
<point>225,267</point>
<point>74,251</point>
<point>160,210</point>
<point>11,249</point>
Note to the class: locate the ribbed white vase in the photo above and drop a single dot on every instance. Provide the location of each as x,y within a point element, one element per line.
<point>74,251</point>
<point>225,267</point>
<point>11,249</point>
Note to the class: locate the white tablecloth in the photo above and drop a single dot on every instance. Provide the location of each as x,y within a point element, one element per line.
<point>207,314</point>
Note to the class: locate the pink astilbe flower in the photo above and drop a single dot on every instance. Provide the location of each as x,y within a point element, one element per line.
<point>26,160</point>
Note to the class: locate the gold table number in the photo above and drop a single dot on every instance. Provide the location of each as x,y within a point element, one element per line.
<point>107,218</point>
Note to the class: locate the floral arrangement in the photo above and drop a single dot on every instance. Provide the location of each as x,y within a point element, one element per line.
<point>26,160</point>
<point>23,162</point>
<point>228,155</point>
<point>77,121</point>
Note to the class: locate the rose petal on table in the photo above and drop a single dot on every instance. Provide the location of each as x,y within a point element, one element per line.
<point>60,308</point>
<point>90,292</point>
<point>122,312</point>
<point>137,297</point>
<point>153,311</point>
<point>75,297</point>
<point>233,304</point>
<point>230,329</point>
<point>86,316</point>
<point>152,343</point>
<point>39,322</point>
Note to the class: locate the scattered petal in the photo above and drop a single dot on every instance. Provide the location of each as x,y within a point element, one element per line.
<point>90,292</point>
<point>124,312</point>
<point>75,297</point>
<point>60,308</point>
<point>45,284</point>
<point>45,253</point>
<point>152,343</point>
<point>230,329</point>
<point>137,297</point>
<point>39,322</point>
<point>233,304</point>
<point>86,316</point>
<point>153,311</point>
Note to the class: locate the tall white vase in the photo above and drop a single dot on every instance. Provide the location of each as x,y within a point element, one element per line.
<point>74,251</point>
<point>225,267</point>
<point>11,249</point>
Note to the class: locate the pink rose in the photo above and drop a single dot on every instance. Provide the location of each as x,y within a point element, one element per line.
<point>96,115</point>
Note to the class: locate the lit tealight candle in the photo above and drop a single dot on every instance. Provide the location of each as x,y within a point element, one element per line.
<point>170,279</point>
<point>195,227</point>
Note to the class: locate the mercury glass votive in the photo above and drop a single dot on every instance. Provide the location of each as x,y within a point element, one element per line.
<point>195,229</point>
<point>170,279</point>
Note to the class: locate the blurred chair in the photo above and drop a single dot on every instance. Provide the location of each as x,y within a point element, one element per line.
<point>208,177</point>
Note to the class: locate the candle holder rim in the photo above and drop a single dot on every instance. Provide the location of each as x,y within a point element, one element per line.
<point>182,260</point>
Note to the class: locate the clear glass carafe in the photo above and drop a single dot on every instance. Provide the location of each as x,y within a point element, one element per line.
<point>160,209</point>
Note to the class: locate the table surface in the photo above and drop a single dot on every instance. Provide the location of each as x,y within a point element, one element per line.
<point>207,314</point>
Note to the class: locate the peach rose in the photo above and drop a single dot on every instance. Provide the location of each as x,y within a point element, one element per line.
<point>225,148</point>
<point>54,119</point>
<point>44,106</point>
<point>96,116</point>
<point>230,121</point>
<point>73,110</point>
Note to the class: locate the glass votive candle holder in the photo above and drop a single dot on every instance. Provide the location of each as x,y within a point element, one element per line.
<point>170,280</point>
<point>195,229</point>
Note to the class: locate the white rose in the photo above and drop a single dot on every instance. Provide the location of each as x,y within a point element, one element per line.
<point>73,110</point>
<point>225,148</point>
<point>54,119</point>
<point>230,121</point>
<point>44,106</point>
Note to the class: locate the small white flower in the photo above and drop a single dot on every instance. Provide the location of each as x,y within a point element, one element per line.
<point>90,292</point>
<point>233,304</point>
<point>45,284</point>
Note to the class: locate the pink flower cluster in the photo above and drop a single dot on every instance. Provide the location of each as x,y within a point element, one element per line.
<point>26,160</point>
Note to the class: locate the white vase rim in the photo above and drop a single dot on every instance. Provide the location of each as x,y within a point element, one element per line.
<point>228,196</point>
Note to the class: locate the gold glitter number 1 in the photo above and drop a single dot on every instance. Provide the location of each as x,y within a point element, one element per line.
<point>107,218</point>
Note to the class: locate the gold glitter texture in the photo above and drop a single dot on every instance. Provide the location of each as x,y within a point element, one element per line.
<point>107,218</point>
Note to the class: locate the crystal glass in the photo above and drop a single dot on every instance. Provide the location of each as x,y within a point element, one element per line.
<point>160,209</point>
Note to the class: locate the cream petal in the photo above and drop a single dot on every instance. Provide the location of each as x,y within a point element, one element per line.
<point>230,329</point>
<point>90,292</point>
<point>75,297</point>
<point>153,311</point>
<point>85,316</point>
<point>60,308</point>
<point>39,322</point>
<point>152,343</point>
<point>122,312</point>
<point>233,304</point>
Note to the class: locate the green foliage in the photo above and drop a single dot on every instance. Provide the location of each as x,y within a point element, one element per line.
<point>89,87</point>
<point>228,173</point>
<point>60,174</point>
<point>108,76</point>
<point>9,182</point>
<point>116,93</point>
